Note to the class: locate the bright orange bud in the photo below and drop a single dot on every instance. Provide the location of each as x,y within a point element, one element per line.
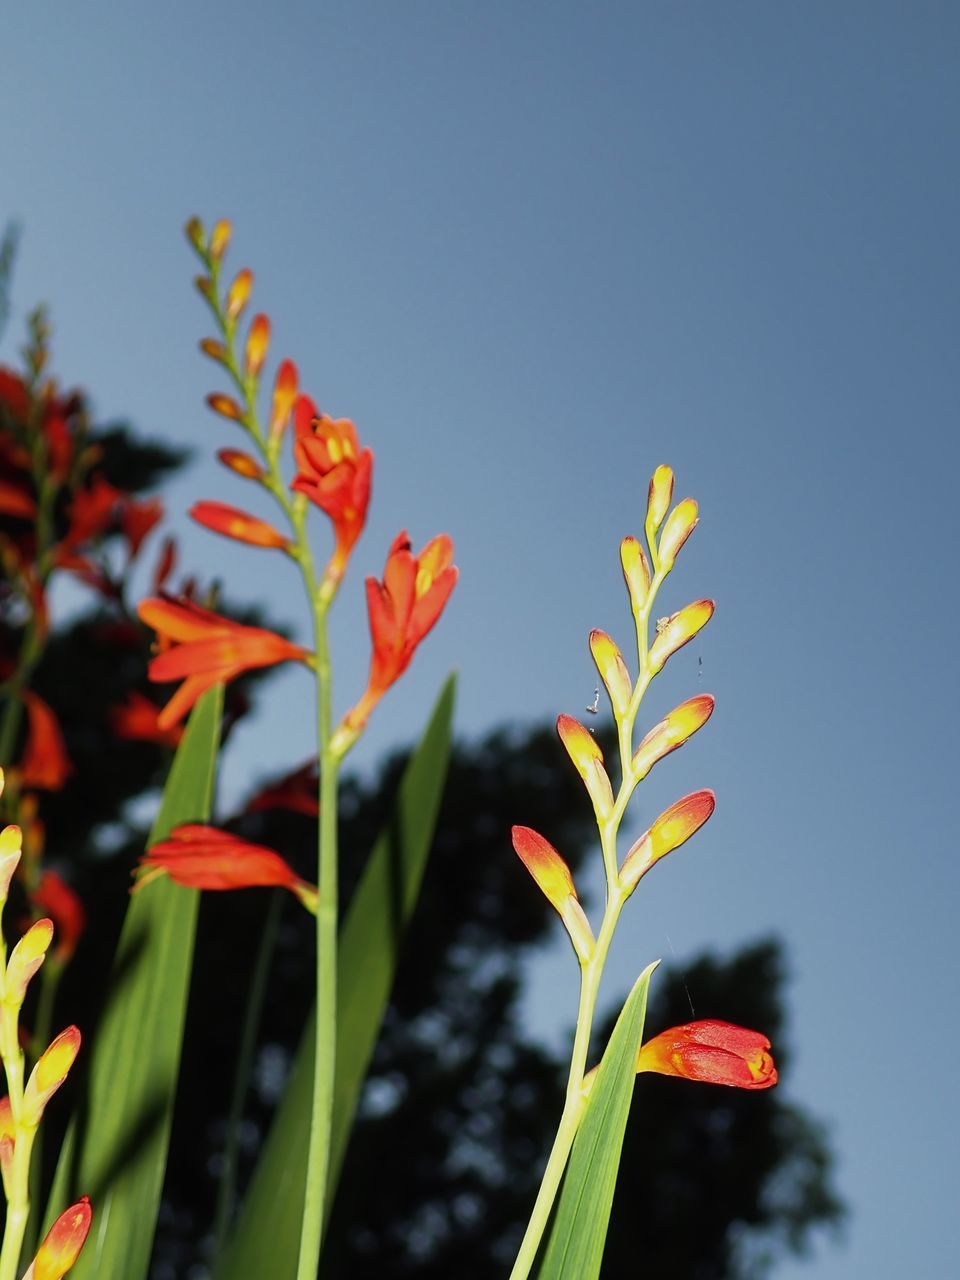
<point>658,502</point>
<point>11,844</point>
<point>220,238</point>
<point>555,881</point>
<point>613,671</point>
<point>203,649</point>
<point>674,632</point>
<point>202,857</point>
<point>711,1051</point>
<point>243,464</point>
<point>214,349</point>
<point>195,234</point>
<point>225,405</point>
<point>237,524</point>
<point>672,732</point>
<point>45,765</point>
<point>284,395</point>
<point>335,473</point>
<point>25,959</point>
<point>62,1243</point>
<point>587,757</point>
<point>55,896</point>
<point>674,826</point>
<point>239,293</point>
<point>636,572</point>
<point>402,609</point>
<point>681,522</point>
<point>258,340</point>
<point>49,1074</point>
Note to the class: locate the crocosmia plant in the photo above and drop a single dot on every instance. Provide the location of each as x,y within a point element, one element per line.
<point>309,475</point>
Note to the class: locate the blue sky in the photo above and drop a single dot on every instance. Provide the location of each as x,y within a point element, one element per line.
<point>534,250</point>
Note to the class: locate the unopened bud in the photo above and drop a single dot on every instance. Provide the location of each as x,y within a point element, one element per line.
<point>681,522</point>
<point>658,501</point>
<point>220,238</point>
<point>258,340</point>
<point>636,572</point>
<point>239,293</point>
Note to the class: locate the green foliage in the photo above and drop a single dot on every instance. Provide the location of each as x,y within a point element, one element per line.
<point>575,1247</point>
<point>266,1238</point>
<point>116,1147</point>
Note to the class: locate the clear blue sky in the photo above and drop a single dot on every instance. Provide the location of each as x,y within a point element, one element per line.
<point>534,250</point>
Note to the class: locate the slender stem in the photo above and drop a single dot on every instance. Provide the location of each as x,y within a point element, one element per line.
<point>226,1193</point>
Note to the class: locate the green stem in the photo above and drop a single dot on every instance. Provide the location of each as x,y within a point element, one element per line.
<point>226,1193</point>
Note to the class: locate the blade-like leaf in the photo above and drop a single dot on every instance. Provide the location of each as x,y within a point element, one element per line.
<point>265,1241</point>
<point>579,1232</point>
<point>116,1146</point>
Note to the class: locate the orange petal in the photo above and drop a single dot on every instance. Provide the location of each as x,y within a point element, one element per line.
<point>674,826</point>
<point>681,522</point>
<point>674,632</point>
<point>672,732</point>
<point>613,671</point>
<point>45,764</point>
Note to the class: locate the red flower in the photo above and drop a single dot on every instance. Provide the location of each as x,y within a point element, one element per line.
<point>136,720</point>
<point>45,764</point>
<point>202,857</point>
<point>715,1052</point>
<point>54,896</point>
<point>202,648</point>
<point>296,792</point>
<point>334,472</point>
<point>234,523</point>
<point>62,1243</point>
<point>402,610</point>
<point>92,511</point>
<point>137,519</point>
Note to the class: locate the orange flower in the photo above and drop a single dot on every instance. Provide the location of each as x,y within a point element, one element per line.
<point>92,511</point>
<point>202,857</point>
<point>136,720</point>
<point>402,609</point>
<point>202,648</point>
<point>674,826</point>
<point>553,877</point>
<point>234,523</point>
<point>334,472</point>
<point>62,1243</point>
<point>711,1051</point>
<point>45,764</point>
<point>55,896</point>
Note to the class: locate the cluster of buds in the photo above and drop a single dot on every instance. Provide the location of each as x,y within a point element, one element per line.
<point>331,471</point>
<point>713,1051</point>
<point>23,1107</point>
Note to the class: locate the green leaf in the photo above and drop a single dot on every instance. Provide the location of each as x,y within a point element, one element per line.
<point>579,1232</point>
<point>265,1241</point>
<point>115,1150</point>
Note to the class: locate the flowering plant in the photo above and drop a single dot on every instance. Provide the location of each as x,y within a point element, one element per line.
<point>304,462</point>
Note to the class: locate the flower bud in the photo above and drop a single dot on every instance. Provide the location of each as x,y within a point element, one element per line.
<point>239,293</point>
<point>672,732</point>
<point>613,671</point>
<point>196,235</point>
<point>674,632</point>
<point>681,522</point>
<point>62,1243</point>
<point>49,1074</point>
<point>674,826</point>
<point>11,844</point>
<point>658,501</point>
<point>214,349</point>
<point>25,959</point>
<point>220,238</point>
<point>225,405</point>
<point>258,340</point>
<point>636,572</point>
<point>241,463</point>
<point>588,760</point>
<point>284,395</point>
<point>556,883</point>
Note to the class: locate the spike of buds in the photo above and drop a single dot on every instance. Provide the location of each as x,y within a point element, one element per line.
<point>681,522</point>
<point>284,395</point>
<point>556,883</point>
<point>674,826</point>
<point>225,405</point>
<point>636,573</point>
<point>258,340</point>
<point>658,502</point>
<point>672,732</point>
<point>674,632</point>
<point>48,1075</point>
<point>239,293</point>
<point>220,238</point>
<point>587,757</point>
<point>241,463</point>
<point>25,959</point>
<point>613,671</point>
<point>62,1243</point>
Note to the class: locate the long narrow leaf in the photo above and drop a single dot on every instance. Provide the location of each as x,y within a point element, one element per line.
<point>116,1147</point>
<point>266,1238</point>
<point>575,1249</point>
